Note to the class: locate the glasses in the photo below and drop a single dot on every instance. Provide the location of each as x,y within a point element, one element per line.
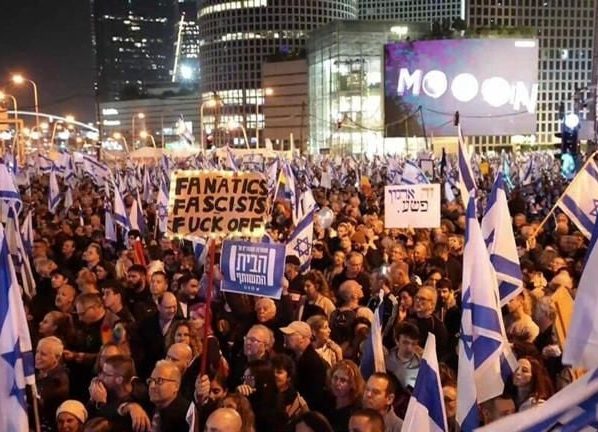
<point>158,381</point>
<point>252,339</point>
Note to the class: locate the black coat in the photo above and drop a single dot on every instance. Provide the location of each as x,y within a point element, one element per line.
<point>173,417</point>
<point>311,378</point>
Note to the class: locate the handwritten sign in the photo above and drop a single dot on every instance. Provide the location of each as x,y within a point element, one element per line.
<point>412,206</point>
<point>252,268</point>
<point>218,202</point>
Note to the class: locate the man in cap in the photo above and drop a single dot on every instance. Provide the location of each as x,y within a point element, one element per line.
<point>311,369</point>
<point>70,416</point>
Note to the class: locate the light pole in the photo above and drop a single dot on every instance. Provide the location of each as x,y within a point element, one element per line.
<point>118,136</point>
<point>234,125</point>
<point>145,135</point>
<point>140,116</point>
<point>20,79</point>
<point>14,104</point>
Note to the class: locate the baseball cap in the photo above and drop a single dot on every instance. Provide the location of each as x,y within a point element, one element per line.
<point>300,327</point>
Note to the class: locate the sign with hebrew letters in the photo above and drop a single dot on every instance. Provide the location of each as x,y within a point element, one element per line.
<point>252,268</point>
<point>412,206</point>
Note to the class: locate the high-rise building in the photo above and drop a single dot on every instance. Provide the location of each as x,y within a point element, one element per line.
<point>566,42</point>
<point>236,37</point>
<point>133,44</point>
<point>186,48</point>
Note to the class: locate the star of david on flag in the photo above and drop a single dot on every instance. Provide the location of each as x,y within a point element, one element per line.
<point>300,241</point>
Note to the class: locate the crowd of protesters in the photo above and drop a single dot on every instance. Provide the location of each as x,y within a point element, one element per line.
<point>119,346</point>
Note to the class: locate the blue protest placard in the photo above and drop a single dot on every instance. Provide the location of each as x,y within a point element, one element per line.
<point>252,268</point>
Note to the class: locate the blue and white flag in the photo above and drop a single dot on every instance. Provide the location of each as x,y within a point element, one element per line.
<point>163,207</point>
<point>412,174</point>
<point>53,193</point>
<point>27,233</point>
<point>109,229</point>
<point>580,200</point>
<point>526,172</point>
<point>581,344</point>
<point>271,172</point>
<point>9,195</point>
<point>372,359</point>
<point>99,171</point>
<point>301,239</point>
<point>200,250</point>
<point>19,255</point>
<point>119,211</point>
<point>482,345</point>
<point>147,185</point>
<point>16,362</point>
<point>44,164</point>
<point>426,411</point>
<point>286,189</point>
<point>466,176</point>
<point>136,216</point>
<point>68,198</point>
<point>574,408</point>
<point>500,241</point>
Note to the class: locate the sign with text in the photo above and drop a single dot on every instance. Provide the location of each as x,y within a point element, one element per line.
<point>412,206</point>
<point>493,82</point>
<point>218,202</point>
<point>252,268</point>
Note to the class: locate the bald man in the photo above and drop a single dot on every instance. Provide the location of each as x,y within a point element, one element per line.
<point>224,420</point>
<point>181,355</point>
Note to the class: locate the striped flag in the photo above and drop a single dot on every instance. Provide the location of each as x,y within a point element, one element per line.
<point>162,207</point>
<point>482,344</point>
<point>9,195</point>
<point>300,240</point>
<point>136,217</point>
<point>580,200</point>
<point>466,177</point>
<point>412,174</point>
<point>426,412</point>
<point>20,258</point>
<point>53,193</point>
<point>581,344</point>
<point>500,241</point>
<point>27,233</point>
<point>99,171</point>
<point>16,363</point>
<point>372,359</point>
<point>119,212</point>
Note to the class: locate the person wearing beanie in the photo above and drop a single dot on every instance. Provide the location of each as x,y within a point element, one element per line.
<point>70,416</point>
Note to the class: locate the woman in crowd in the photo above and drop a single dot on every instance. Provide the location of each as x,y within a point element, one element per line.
<point>57,324</point>
<point>284,375</point>
<point>242,405</point>
<point>345,387</point>
<point>312,421</point>
<point>184,332</point>
<point>532,385</point>
<point>329,350</point>
<point>318,298</point>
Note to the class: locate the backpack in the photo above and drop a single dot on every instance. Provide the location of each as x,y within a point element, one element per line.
<point>341,323</point>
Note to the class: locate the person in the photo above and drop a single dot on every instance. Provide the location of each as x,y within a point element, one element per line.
<point>318,300</point>
<point>70,416</point>
<point>495,408</point>
<point>181,355</point>
<point>52,379</point>
<point>257,345</point>
<point>426,321</point>
<point>284,375</point>
<point>366,420</point>
<point>170,408</point>
<point>403,360</point>
<point>354,271</point>
<point>312,421</point>
<point>115,302</point>
<point>65,299</point>
<point>292,273</point>
<point>240,404</point>
<point>57,324</point>
<point>521,326</point>
<point>311,368</point>
<point>532,385</point>
<point>379,394</point>
<point>345,388</point>
<point>224,420</point>
<point>341,320</point>
<point>326,348</point>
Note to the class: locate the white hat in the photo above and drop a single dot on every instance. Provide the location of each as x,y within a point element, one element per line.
<point>73,407</point>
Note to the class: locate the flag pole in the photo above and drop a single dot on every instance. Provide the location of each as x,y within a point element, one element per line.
<point>557,201</point>
<point>34,397</point>
<point>208,316</point>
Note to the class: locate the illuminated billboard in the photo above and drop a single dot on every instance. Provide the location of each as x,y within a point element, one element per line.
<point>493,83</point>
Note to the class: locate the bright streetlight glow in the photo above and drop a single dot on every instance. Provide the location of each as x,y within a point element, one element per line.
<point>571,120</point>
<point>141,116</point>
<point>2,95</point>
<point>186,72</point>
<point>69,118</point>
<point>269,91</point>
<point>143,134</point>
<point>117,135</point>
<point>18,79</point>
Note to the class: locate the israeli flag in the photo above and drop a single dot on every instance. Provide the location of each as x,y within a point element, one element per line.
<point>163,207</point>
<point>109,229</point>
<point>27,233</point>
<point>300,241</point>
<point>99,171</point>
<point>500,241</point>
<point>372,359</point>
<point>526,172</point>
<point>580,200</point>
<point>482,344</point>
<point>581,344</point>
<point>120,213</point>
<point>53,193</point>
<point>9,195</point>
<point>136,216</point>
<point>466,177</point>
<point>16,363</point>
<point>412,174</point>
<point>20,258</point>
<point>574,408</point>
<point>426,412</point>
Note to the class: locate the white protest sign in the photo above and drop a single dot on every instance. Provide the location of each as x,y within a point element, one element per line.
<point>412,206</point>
<point>217,202</point>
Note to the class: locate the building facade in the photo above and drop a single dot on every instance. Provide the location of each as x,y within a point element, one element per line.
<point>346,93</point>
<point>566,42</point>
<point>236,37</point>
<point>133,45</point>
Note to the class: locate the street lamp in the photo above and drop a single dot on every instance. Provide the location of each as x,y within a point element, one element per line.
<point>232,125</point>
<point>118,136</point>
<point>14,103</point>
<point>145,135</point>
<point>210,103</point>
<point>20,79</point>
<point>140,116</point>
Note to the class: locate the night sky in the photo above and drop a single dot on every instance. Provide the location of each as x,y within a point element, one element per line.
<point>49,41</point>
